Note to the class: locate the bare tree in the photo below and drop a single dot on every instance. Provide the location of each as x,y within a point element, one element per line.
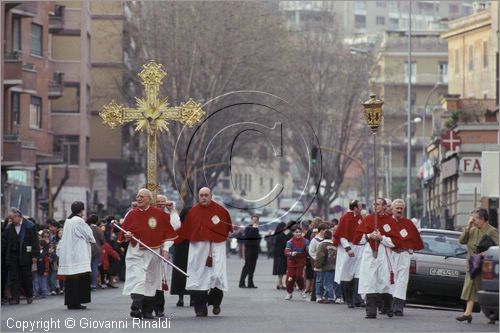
<point>208,49</point>
<point>334,82</point>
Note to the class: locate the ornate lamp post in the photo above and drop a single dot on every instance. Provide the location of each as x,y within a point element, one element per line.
<point>374,116</point>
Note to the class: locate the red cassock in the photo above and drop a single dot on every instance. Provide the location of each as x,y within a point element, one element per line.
<point>409,235</point>
<point>150,226</point>
<point>210,223</point>
<point>385,224</point>
<point>346,228</point>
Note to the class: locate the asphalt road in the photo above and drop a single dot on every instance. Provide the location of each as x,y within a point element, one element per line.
<point>243,310</point>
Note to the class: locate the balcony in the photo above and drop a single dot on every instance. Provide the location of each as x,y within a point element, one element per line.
<point>16,73</point>
<point>56,21</point>
<point>56,86</point>
<point>26,9</point>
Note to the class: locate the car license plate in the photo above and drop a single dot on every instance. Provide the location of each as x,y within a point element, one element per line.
<point>444,272</point>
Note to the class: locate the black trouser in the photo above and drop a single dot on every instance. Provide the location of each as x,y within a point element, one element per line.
<point>202,298</point>
<point>371,305</point>
<point>251,255</point>
<point>159,302</point>
<point>398,305</point>
<point>348,290</point>
<point>357,299</point>
<point>20,277</point>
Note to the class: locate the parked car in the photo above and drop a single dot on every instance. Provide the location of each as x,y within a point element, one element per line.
<point>487,297</point>
<point>438,271</point>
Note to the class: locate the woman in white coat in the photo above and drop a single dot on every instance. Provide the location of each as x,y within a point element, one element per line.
<point>74,253</point>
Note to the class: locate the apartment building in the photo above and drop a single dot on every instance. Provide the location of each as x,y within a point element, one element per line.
<point>31,84</point>
<point>429,69</point>
<point>71,113</point>
<point>469,118</point>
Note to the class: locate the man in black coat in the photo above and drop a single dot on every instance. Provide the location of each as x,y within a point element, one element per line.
<point>21,248</point>
<point>252,244</point>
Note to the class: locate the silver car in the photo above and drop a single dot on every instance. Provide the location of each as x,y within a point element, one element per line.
<point>438,271</point>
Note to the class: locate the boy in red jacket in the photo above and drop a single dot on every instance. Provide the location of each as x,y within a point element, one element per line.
<point>295,251</point>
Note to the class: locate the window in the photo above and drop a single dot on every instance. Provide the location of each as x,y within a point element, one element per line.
<point>485,54</point>
<point>68,147</point>
<point>16,109</point>
<point>471,57</point>
<point>393,23</point>
<point>380,4</point>
<point>360,21</point>
<point>457,62</point>
<point>380,20</point>
<point>443,72</point>
<point>36,40</point>
<point>16,34</point>
<point>360,5</point>
<point>453,8</point>
<point>36,112</point>
<point>413,72</point>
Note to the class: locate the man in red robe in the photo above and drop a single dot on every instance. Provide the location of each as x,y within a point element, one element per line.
<point>206,226</point>
<point>143,278</point>
<point>377,232</point>
<point>348,254</point>
<point>410,241</point>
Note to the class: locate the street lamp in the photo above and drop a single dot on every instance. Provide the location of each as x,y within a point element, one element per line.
<point>374,116</point>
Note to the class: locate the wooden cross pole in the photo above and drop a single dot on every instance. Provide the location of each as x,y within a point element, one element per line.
<point>152,114</point>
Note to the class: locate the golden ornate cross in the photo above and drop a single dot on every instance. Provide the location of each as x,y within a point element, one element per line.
<point>152,114</point>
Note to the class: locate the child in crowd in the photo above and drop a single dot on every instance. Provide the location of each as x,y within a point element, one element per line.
<point>54,264</point>
<point>295,251</point>
<point>41,273</point>
<point>326,255</point>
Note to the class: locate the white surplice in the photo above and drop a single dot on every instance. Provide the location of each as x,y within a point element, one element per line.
<point>74,250</point>
<point>202,277</point>
<point>144,271</point>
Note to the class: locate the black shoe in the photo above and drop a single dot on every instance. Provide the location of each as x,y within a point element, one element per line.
<point>160,314</point>
<point>201,314</point>
<point>398,313</point>
<point>242,286</point>
<point>360,305</point>
<point>371,316</point>
<point>76,307</point>
<point>252,286</point>
<point>465,318</point>
<point>136,314</point>
<point>216,310</point>
<point>180,303</point>
<point>389,313</point>
<point>147,315</point>
<point>382,312</point>
<point>350,306</point>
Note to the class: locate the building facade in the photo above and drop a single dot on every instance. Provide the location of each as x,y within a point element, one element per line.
<point>31,84</point>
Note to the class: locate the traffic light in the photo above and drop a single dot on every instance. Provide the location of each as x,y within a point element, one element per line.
<point>314,155</point>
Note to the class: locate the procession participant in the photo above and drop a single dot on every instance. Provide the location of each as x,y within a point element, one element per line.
<point>376,274</point>
<point>206,226</point>
<point>168,207</point>
<point>252,247</point>
<point>74,253</point>
<point>410,241</point>
<point>143,276</point>
<point>348,255</point>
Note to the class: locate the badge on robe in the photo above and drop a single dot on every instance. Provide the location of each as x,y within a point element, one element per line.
<point>386,228</point>
<point>215,219</point>
<point>403,233</point>
<point>152,222</point>
<point>359,221</point>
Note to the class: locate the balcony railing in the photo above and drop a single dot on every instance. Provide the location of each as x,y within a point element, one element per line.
<point>56,21</point>
<point>56,86</point>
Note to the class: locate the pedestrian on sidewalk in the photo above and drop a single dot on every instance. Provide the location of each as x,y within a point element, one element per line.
<point>324,264</point>
<point>252,247</point>
<point>281,235</point>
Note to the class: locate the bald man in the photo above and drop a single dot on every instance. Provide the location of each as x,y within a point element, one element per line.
<point>143,275</point>
<point>206,227</point>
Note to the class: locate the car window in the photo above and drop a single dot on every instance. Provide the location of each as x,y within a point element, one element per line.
<point>442,245</point>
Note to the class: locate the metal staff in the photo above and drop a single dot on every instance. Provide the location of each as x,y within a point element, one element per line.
<point>153,251</point>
